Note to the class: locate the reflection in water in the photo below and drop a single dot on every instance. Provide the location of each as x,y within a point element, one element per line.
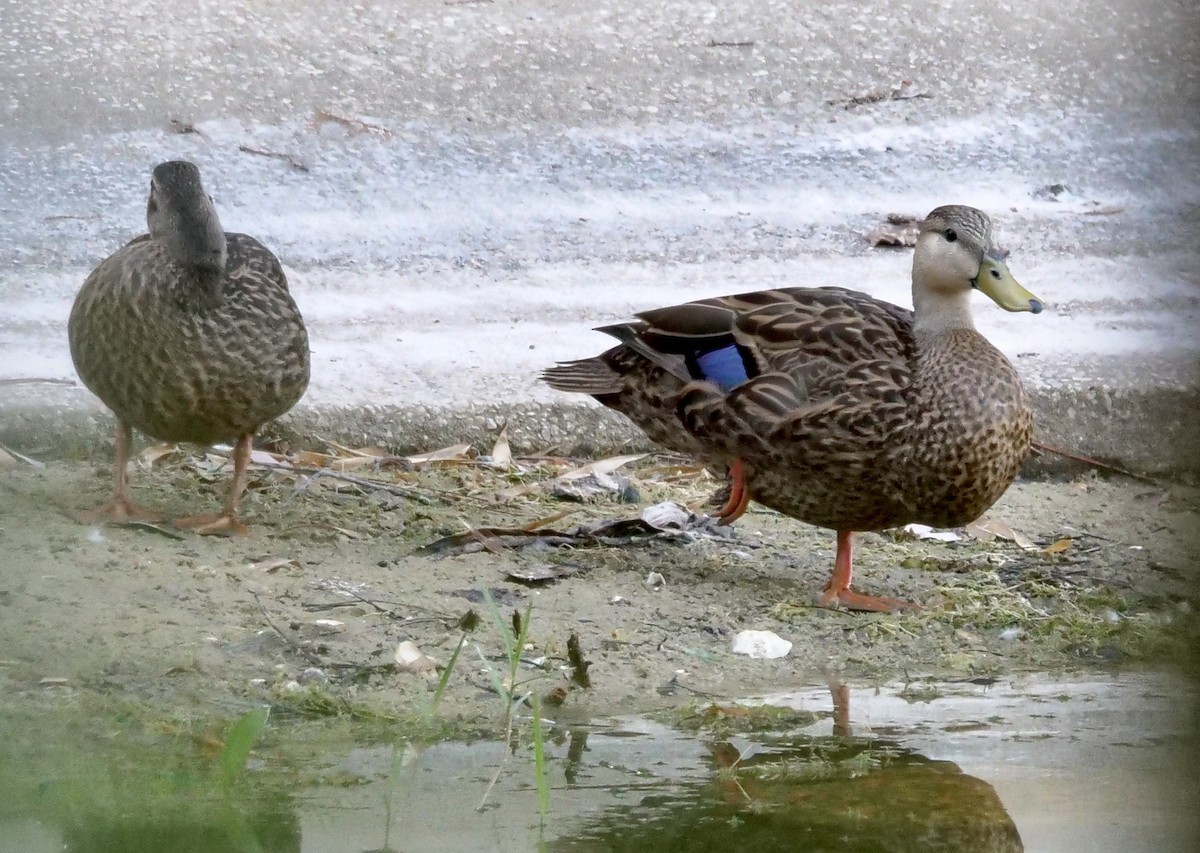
<point>256,827</point>
<point>1080,765</point>
<point>136,791</point>
<point>837,793</point>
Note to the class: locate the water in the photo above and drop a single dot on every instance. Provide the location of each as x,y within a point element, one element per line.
<point>1032,763</point>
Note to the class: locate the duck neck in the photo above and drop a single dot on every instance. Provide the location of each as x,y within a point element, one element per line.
<point>191,234</point>
<point>202,252</point>
<point>937,313</point>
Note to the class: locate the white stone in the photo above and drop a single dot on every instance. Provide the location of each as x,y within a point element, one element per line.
<point>761,644</point>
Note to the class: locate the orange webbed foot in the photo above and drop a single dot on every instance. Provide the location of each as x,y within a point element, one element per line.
<point>852,600</point>
<point>120,508</point>
<point>213,525</point>
<point>739,495</point>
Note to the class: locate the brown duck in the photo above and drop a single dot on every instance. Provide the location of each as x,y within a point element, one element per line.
<point>831,406</point>
<point>189,334</point>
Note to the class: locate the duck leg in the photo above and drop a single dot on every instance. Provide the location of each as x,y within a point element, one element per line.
<point>120,505</point>
<point>838,592</point>
<point>739,494</point>
<point>226,524</point>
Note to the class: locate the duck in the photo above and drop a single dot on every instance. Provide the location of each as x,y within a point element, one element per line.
<point>189,334</point>
<point>831,406</point>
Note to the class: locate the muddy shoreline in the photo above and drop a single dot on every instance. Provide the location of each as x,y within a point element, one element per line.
<point>307,611</point>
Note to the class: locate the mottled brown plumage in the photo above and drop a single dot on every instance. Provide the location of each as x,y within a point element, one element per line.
<point>847,412</point>
<point>189,334</point>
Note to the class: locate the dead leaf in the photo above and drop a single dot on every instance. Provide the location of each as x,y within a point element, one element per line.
<point>273,564</point>
<point>978,530</point>
<point>543,572</point>
<point>160,454</point>
<point>501,453</point>
<point>312,459</point>
<point>1057,547</point>
<point>601,466</point>
<point>453,453</point>
<point>549,519</point>
<point>981,530</point>
<point>28,460</point>
<point>275,460</point>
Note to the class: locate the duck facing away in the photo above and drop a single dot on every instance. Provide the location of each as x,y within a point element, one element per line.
<point>189,334</point>
<point>831,406</point>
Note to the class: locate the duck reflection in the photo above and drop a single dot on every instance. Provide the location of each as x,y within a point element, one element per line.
<point>197,825</point>
<point>836,793</point>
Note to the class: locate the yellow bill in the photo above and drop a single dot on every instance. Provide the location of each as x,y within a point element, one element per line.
<point>998,284</point>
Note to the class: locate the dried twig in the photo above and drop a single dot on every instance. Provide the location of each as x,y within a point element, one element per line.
<point>355,125</point>
<point>715,43</point>
<point>390,488</point>
<point>277,155</point>
<point>1095,463</point>
<point>299,649</point>
<point>900,93</point>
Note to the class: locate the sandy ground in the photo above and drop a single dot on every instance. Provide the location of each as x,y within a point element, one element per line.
<point>187,623</point>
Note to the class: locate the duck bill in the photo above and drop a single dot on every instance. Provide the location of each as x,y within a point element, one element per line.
<point>998,284</point>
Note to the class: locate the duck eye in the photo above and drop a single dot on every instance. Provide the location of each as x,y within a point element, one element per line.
<point>951,235</point>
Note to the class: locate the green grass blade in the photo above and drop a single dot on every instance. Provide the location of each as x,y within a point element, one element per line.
<point>506,634</point>
<point>238,743</point>
<point>444,679</point>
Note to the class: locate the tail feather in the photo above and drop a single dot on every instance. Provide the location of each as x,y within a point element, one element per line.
<point>586,376</point>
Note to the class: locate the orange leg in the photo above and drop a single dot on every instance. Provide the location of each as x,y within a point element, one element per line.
<point>739,494</point>
<point>120,505</point>
<point>837,591</point>
<point>841,709</point>
<point>226,523</point>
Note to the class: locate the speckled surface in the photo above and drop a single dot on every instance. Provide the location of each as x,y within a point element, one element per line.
<point>533,169</point>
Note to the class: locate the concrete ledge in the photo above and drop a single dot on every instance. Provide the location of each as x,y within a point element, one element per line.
<point>1152,431</point>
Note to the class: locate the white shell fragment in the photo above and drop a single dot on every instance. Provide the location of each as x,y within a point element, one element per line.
<point>412,659</point>
<point>924,531</point>
<point>667,515</point>
<point>761,644</point>
<point>655,580</point>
